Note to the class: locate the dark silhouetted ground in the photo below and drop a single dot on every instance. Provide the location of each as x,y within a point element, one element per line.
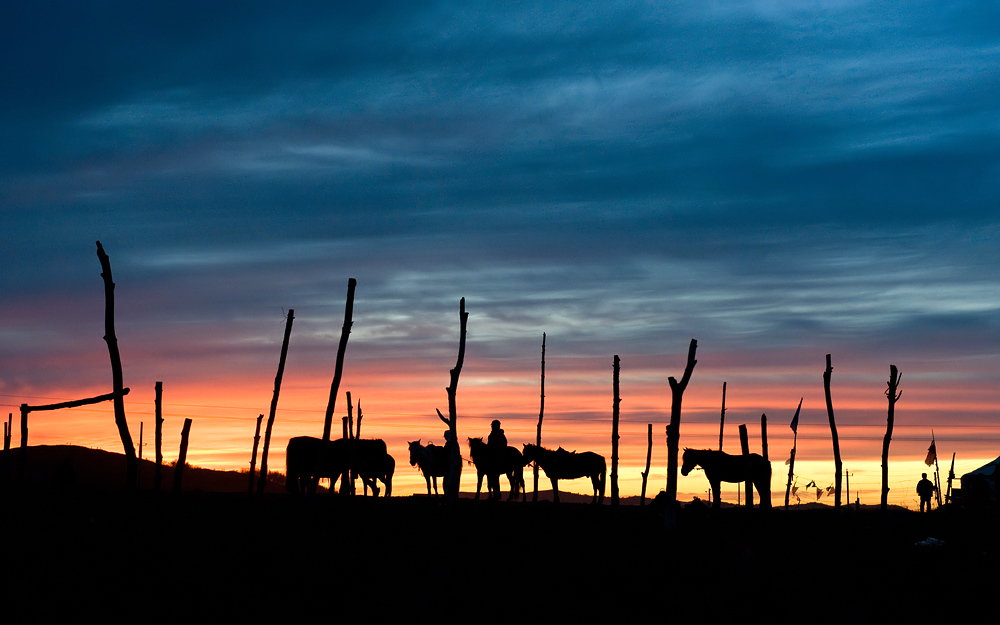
<point>101,553</point>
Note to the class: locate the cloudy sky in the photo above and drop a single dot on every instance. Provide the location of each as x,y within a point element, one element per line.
<point>778,180</point>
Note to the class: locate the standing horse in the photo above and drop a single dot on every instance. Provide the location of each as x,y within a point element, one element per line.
<point>722,467</point>
<point>371,461</point>
<point>432,460</point>
<point>513,468</point>
<point>307,459</point>
<point>569,465</point>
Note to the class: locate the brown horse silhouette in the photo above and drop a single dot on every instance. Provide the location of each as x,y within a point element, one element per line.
<point>569,465</point>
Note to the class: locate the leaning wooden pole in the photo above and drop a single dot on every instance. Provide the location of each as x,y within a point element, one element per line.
<point>158,438</point>
<point>541,413</point>
<point>837,464</point>
<point>614,432</point>
<point>182,456</point>
<point>262,480</point>
<point>649,458</point>
<point>791,459</point>
<point>893,394</point>
<point>253,455</point>
<point>345,332</point>
<point>131,463</point>
<point>722,417</point>
<point>673,434</point>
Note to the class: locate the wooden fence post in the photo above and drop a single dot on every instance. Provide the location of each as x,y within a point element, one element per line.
<point>262,482</point>
<point>649,457</point>
<point>614,433</point>
<point>538,430</point>
<point>253,455</point>
<point>838,466</point>
<point>674,433</point>
<point>158,438</point>
<point>345,333</point>
<point>182,456</point>
<point>893,394</point>
<point>745,446</point>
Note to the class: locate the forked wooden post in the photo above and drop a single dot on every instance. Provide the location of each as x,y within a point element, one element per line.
<point>455,460</point>
<point>893,394</point>
<point>674,433</point>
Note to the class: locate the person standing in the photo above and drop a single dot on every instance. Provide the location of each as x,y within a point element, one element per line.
<point>925,489</point>
<point>496,446</point>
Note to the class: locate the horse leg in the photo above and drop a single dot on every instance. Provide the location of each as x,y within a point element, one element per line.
<point>555,490</point>
<point>479,484</point>
<point>716,503</point>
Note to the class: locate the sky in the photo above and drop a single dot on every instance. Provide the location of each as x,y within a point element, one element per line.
<point>777,180</point>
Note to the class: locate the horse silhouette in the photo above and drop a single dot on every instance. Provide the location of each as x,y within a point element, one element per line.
<point>722,467</point>
<point>513,468</point>
<point>432,460</point>
<point>307,459</point>
<point>569,465</point>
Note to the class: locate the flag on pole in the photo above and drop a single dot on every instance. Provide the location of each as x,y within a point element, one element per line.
<point>931,454</point>
<point>795,419</point>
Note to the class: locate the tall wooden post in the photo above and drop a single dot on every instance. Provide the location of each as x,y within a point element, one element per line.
<point>722,417</point>
<point>838,466</point>
<point>649,458</point>
<point>541,413</point>
<point>745,446</point>
<point>262,481</point>
<point>131,463</point>
<point>158,437</point>
<point>182,456</point>
<point>765,497</point>
<point>893,394</point>
<point>673,435</point>
<point>345,333</point>
<point>253,456</point>
<point>791,461</point>
<point>614,433</point>
<point>455,460</point>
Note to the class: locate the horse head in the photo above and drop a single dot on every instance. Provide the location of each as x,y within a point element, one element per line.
<point>689,462</point>
<point>529,453</point>
<point>415,451</point>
